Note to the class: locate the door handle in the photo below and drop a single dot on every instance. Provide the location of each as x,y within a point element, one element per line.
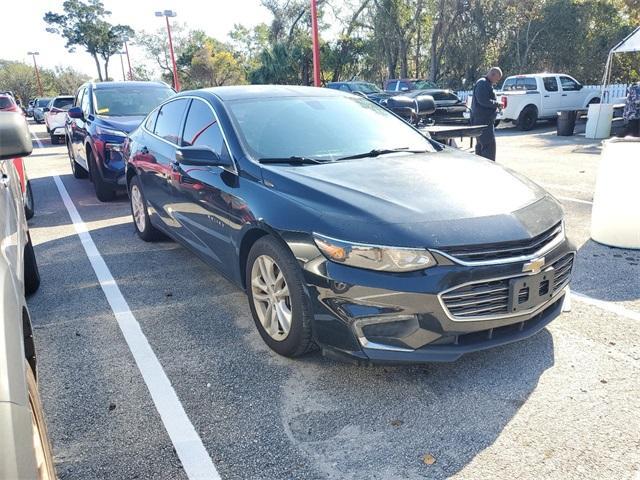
<point>546,96</point>
<point>564,94</point>
<point>5,180</point>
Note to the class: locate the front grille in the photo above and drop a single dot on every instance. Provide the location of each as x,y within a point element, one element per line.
<point>500,251</point>
<point>489,299</point>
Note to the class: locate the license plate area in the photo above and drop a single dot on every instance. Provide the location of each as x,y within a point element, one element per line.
<point>529,292</point>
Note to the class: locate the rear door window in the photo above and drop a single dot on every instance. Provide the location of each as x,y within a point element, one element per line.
<point>520,83</point>
<point>170,119</point>
<point>550,84</point>
<point>86,103</point>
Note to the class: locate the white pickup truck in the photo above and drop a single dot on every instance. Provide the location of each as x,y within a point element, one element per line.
<point>528,98</point>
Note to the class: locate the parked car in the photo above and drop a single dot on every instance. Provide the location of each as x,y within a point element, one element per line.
<point>348,228</point>
<point>100,119</point>
<point>25,451</point>
<point>40,107</point>
<point>408,85</point>
<point>529,98</point>
<point>8,104</point>
<point>56,117</point>
<point>30,109</point>
<point>369,90</point>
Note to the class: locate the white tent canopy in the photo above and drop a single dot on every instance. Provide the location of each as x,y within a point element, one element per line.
<point>628,45</point>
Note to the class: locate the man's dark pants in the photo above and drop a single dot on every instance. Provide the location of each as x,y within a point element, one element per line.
<point>486,143</point>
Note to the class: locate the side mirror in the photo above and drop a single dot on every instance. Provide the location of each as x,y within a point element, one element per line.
<point>45,109</point>
<point>201,157</point>
<point>15,140</point>
<point>425,105</point>
<point>75,112</point>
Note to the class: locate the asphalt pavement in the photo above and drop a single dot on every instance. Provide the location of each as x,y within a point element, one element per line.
<point>563,404</point>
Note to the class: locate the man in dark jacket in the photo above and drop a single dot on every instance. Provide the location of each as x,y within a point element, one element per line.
<point>484,108</point>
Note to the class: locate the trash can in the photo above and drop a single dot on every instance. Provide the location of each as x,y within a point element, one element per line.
<point>615,216</point>
<point>566,123</point>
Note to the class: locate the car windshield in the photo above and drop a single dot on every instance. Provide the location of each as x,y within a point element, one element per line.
<point>366,88</point>
<point>44,102</point>
<point>424,85</point>
<point>6,102</point>
<point>129,101</point>
<point>326,128</point>
<point>63,103</point>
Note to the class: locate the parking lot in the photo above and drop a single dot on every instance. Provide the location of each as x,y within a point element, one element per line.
<point>562,404</point>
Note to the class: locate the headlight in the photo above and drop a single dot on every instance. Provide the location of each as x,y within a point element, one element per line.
<point>374,257</point>
<point>110,131</point>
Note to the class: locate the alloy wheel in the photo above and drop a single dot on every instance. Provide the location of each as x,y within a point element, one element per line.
<point>137,208</point>
<point>271,297</point>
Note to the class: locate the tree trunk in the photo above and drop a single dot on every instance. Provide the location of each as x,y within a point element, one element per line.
<point>95,58</point>
<point>106,69</point>
<point>404,59</point>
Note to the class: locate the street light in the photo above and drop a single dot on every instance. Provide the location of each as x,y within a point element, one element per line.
<point>124,78</point>
<point>170,14</point>
<point>35,66</point>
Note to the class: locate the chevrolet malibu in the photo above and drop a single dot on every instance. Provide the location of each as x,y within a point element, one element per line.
<point>348,229</point>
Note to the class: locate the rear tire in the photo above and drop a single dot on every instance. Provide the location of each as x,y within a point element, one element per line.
<point>29,204</point>
<point>104,191</point>
<point>31,272</point>
<point>528,118</point>
<point>54,139</point>
<point>41,444</point>
<point>141,220</point>
<point>297,339</point>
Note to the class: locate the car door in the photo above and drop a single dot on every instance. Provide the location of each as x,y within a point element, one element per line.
<point>155,155</point>
<point>207,205</point>
<point>571,96</point>
<point>10,235</point>
<point>82,126</point>
<point>551,100</point>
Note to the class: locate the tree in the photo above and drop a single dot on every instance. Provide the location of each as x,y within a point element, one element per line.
<point>84,25</point>
<point>67,80</point>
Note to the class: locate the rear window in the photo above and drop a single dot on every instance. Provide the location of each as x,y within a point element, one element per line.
<point>519,83</point>
<point>63,103</point>
<point>6,102</point>
<point>44,102</point>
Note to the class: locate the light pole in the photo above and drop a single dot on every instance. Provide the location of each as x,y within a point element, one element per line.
<point>170,14</point>
<point>126,49</point>
<point>316,43</point>
<point>124,78</point>
<point>35,66</point>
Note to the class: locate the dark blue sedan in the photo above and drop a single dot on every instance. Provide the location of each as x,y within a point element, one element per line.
<point>349,229</point>
<point>100,119</point>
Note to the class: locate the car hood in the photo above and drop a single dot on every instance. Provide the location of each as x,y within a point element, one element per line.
<point>125,124</point>
<point>436,199</point>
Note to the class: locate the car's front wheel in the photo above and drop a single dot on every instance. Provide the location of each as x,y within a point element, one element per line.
<point>104,191</point>
<point>281,310</point>
<point>31,271</point>
<point>145,230</point>
<point>29,204</point>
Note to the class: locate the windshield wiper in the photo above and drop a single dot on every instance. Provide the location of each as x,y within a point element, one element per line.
<point>376,152</point>
<point>296,160</point>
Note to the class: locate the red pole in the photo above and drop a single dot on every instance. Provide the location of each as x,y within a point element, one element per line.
<point>316,43</point>
<point>176,80</point>
<point>126,49</point>
<point>35,66</point>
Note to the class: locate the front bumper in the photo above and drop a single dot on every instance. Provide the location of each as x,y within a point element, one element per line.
<point>401,318</point>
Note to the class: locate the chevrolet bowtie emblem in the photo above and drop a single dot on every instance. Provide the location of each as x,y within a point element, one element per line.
<point>534,266</point>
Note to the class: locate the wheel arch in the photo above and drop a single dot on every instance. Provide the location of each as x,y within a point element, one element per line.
<point>29,344</point>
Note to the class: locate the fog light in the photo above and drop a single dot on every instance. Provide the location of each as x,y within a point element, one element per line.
<point>383,326</point>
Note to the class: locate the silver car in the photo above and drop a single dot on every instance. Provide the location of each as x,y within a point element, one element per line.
<point>40,107</point>
<point>25,452</point>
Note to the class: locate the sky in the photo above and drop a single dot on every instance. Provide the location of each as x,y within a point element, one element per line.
<point>27,30</point>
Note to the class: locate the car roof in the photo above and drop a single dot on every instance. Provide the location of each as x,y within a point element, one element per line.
<point>542,74</point>
<point>64,96</point>
<point>101,85</point>
<point>264,91</point>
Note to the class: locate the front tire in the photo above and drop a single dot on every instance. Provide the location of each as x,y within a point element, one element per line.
<point>41,444</point>
<point>280,307</point>
<point>31,271</point>
<point>54,139</point>
<point>29,204</point>
<point>528,118</point>
<point>104,191</point>
<point>141,220</point>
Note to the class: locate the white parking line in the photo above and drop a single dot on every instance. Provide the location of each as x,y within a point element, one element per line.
<point>608,306</point>
<point>38,141</point>
<point>194,457</point>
